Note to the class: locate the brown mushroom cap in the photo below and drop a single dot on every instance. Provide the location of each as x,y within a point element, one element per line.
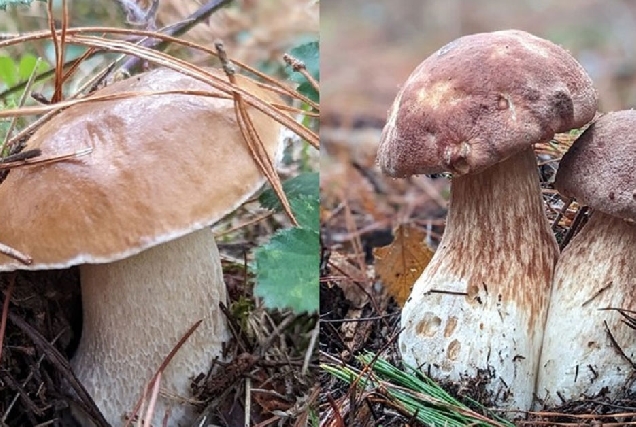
<point>479,100</point>
<point>151,176</point>
<point>599,170</point>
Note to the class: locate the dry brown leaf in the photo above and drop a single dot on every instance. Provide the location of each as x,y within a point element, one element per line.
<point>401,263</point>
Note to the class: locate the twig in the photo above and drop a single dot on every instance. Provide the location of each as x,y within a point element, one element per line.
<point>41,161</point>
<point>162,367</point>
<point>61,364</point>
<point>15,254</point>
<point>135,15</point>
<point>153,398</point>
<point>188,69</point>
<point>253,140</point>
<point>299,67</point>
<point>60,48</point>
<point>566,204</point>
<point>22,156</point>
<point>201,14</point>
<point>248,401</point>
<point>133,63</point>
<point>310,348</point>
<point>5,310</point>
<point>27,379</point>
<point>574,228</point>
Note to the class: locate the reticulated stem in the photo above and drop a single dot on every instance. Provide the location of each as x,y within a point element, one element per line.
<point>136,310</point>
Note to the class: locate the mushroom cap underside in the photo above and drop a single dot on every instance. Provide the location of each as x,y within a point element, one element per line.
<point>482,98</point>
<point>599,170</point>
<point>160,167</point>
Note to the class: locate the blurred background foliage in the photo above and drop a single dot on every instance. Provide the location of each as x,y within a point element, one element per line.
<point>383,41</point>
<point>254,32</point>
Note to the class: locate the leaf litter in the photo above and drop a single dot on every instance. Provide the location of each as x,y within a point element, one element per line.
<point>372,228</point>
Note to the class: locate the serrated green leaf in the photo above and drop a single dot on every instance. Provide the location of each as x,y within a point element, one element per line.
<point>287,270</point>
<point>8,71</point>
<point>309,54</point>
<point>5,3</point>
<point>306,183</point>
<point>306,211</point>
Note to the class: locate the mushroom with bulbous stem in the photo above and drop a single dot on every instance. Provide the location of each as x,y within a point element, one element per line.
<point>474,108</point>
<point>583,341</point>
<point>135,213</point>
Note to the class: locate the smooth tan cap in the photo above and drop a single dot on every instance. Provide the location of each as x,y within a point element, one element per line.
<point>161,167</point>
<point>599,170</point>
<point>480,99</point>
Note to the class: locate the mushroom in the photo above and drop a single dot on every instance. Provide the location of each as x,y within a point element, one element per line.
<point>474,108</point>
<point>134,214</point>
<point>597,270</point>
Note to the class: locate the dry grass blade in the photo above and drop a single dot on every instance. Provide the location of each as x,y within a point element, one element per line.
<point>5,311</point>
<point>28,111</point>
<point>253,140</point>
<point>42,160</point>
<point>153,397</point>
<point>60,48</point>
<point>73,36</point>
<point>157,375</point>
<point>15,254</point>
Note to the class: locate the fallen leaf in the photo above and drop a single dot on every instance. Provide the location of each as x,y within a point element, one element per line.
<point>401,263</point>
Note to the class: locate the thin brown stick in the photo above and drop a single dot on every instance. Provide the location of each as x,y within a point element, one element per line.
<point>178,65</point>
<point>61,364</point>
<point>161,368</point>
<point>5,310</point>
<point>299,67</point>
<point>39,161</point>
<point>253,140</point>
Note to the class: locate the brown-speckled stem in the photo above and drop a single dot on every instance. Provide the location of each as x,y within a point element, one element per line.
<point>596,270</point>
<point>482,301</point>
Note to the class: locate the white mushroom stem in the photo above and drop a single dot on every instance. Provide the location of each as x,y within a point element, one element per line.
<point>596,270</point>
<point>135,312</point>
<point>480,305</point>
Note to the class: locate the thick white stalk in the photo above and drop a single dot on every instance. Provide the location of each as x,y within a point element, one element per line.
<point>135,312</point>
<point>596,270</point>
<point>479,307</point>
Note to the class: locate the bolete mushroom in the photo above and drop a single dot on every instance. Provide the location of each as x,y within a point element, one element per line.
<point>475,108</point>
<point>134,214</point>
<point>582,345</point>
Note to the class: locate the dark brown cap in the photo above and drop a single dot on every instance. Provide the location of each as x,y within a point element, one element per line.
<point>161,166</point>
<point>479,100</point>
<point>599,170</point>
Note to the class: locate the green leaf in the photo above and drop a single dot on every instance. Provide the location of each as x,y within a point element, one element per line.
<point>8,71</point>
<point>5,3</point>
<point>287,270</point>
<point>309,54</point>
<point>306,183</point>
<point>306,211</point>
<point>28,64</point>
